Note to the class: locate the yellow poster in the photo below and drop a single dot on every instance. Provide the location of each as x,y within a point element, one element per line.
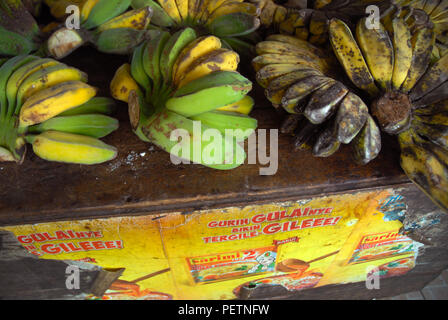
<point>230,253</point>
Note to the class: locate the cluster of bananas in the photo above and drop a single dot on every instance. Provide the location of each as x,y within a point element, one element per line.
<point>436,15</point>
<point>107,24</point>
<point>177,81</point>
<point>49,105</point>
<point>295,75</point>
<point>19,31</point>
<point>310,23</point>
<point>390,70</point>
<point>232,21</point>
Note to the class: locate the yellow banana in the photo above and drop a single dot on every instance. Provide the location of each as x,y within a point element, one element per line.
<point>244,106</point>
<point>58,7</point>
<point>71,148</point>
<point>350,56</point>
<point>182,6</point>
<point>422,43</point>
<point>402,52</point>
<point>136,19</point>
<point>267,13</point>
<point>280,14</point>
<point>212,5</point>
<point>193,51</point>
<point>378,52</point>
<point>433,78</point>
<point>50,102</point>
<point>300,44</point>
<point>122,83</point>
<point>47,78</point>
<point>170,8</point>
<point>234,7</point>
<point>273,58</point>
<point>217,60</point>
<point>430,5</point>
<point>267,46</point>
<point>193,9</point>
<point>269,72</point>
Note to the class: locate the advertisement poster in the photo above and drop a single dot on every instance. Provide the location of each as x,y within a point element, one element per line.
<point>226,253</point>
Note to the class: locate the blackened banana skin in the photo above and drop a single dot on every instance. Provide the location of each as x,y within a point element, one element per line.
<point>367,144</point>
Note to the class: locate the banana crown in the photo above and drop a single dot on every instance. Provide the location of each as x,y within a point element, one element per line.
<point>179,81</point>
<point>50,105</point>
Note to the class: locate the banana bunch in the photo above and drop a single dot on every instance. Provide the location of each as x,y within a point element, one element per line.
<point>392,86</point>
<point>324,113</point>
<point>311,23</point>
<point>426,164</point>
<point>436,14</point>
<point>305,24</point>
<point>107,24</point>
<point>188,83</point>
<point>49,105</point>
<point>233,21</point>
<point>19,31</point>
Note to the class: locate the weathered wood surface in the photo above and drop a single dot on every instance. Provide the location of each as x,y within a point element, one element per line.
<point>142,178</point>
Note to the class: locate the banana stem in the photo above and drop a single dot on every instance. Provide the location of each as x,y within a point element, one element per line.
<point>30,138</point>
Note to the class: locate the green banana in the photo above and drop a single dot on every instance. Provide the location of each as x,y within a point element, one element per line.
<point>19,76</point>
<point>121,40</point>
<point>6,70</point>
<point>13,44</point>
<point>137,70</point>
<point>172,49</point>
<point>104,10</point>
<point>224,155</point>
<point>96,105</point>
<point>233,25</point>
<point>92,125</point>
<point>151,59</point>
<point>224,120</point>
<point>210,92</point>
<point>8,127</point>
